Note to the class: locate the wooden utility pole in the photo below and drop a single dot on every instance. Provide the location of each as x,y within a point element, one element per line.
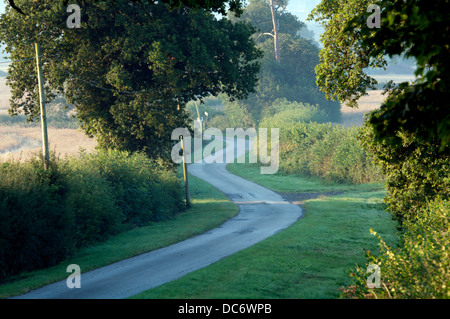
<point>42,104</point>
<point>185,173</point>
<point>275,32</point>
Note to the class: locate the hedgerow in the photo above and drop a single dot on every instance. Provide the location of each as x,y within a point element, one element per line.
<point>419,268</point>
<point>328,151</point>
<point>47,214</point>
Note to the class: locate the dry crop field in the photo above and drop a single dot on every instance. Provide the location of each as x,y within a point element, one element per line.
<point>23,142</point>
<point>354,117</point>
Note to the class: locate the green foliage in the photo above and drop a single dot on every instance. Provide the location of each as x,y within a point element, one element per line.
<point>258,13</point>
<point>412,29</point>
<point>331,152</point>
<point>293,78</point>
<point>141,186</point>
<point>416,171</point>
<point>131,67</point>
<point>45,215</point>
<point>418,30</point>
<point>420,267</point>
<point>343,59</point>
<point>283,112</point>
<point>239,115</point>
<point>221,122</point>
<point>33,221</point>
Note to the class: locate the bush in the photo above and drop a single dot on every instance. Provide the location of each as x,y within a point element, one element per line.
<point>420,267</point>
<point>33,220</point>
<point>47,214</point>
<point>416,171</point>
<point>144,191</point>
<point>91,204</point>
<point>327,151</point>
<point>289,113</point>
<point>221,122</point>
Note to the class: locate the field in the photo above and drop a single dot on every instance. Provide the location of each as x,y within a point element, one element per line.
<point>354,117</point>
<point>22,141</point>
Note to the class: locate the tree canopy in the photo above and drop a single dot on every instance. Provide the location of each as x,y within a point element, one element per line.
<point>131,67</point>
<point>415,29</point>
<point>409,135</point>
<point>294,77</point>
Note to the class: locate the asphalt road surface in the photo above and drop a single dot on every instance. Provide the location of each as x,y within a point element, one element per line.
<point>262,214</point>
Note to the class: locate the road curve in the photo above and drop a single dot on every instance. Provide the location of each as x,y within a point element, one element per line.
<point>262,214</point>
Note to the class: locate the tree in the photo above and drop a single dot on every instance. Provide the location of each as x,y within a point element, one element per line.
<point>293,77</point>
<point>212,5</point>
<point>410,133</point>
<point>343,59</point>
<point>275,32</point>
<point>415,29</point>
<point>131,67</point>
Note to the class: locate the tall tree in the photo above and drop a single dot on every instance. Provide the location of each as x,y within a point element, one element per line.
<point>410,134</point>
<point>293,76</point>
<point>275,31</point>
<point>131,67</point>
<point>415,29</point>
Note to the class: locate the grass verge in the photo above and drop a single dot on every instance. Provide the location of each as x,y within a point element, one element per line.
<point>291,183</point>
<point>196,220</point>
<point>310,259</point>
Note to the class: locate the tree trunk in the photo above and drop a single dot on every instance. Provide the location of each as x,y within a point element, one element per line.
<point>275,32</point>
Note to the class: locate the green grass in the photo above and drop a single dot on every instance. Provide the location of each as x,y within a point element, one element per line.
<point>210,208</point>
<point>280,182</point>
<point>310,259</point>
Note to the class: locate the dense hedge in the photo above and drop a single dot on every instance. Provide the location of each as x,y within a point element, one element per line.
<point>416,171</point>
<point>45,215</point>
<point>420,267</point>
<point>327,151</point>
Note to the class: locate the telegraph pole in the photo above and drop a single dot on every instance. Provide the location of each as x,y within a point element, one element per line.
<point>42,105</point>
<point>185,173</point>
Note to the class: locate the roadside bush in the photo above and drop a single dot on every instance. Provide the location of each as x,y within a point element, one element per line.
<point>33,220</point>
<point>144,190</point>
<point>219,121</point>
<point>45,215</point>
<point>328,151</point>
<point>91,204</point>
<point>416,171</point>
<point>283,112</point>
<point>420,267</point>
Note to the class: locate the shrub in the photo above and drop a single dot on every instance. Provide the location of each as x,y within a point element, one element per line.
<point>33,220</point>
<point>144,191</point>
<point>327,151</point>
<point>220,121</point>
<point>90,204</point>
<point>283,112</point>
<point>46,214</point>
<point>416,171</point>
<point>420,267</point>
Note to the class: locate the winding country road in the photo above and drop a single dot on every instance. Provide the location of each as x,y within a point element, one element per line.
<point>262,214</point>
